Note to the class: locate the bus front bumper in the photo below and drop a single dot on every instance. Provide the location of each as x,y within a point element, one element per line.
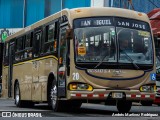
<point>97,94</point>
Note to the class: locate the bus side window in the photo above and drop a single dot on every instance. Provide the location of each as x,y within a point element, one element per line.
<point>37,43</point>
<point>28,46</point>
<point>63,48</point>
<point>50,44</point>
<point>19,49</point>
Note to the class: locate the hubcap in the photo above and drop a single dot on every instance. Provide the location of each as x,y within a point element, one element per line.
<point>17,95</point>
<point>54,95</point>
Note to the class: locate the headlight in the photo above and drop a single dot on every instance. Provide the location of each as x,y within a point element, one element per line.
<point>148,88</point>
<point>80,86</point>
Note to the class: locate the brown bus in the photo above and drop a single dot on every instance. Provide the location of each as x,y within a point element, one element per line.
<point>81,55</point>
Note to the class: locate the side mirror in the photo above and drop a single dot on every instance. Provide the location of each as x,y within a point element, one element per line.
<point>69,33</point>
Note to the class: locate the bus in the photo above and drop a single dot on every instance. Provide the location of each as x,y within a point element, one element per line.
<point>92,54</point>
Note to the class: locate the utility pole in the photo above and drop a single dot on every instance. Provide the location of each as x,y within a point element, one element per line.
<point>130,3</point>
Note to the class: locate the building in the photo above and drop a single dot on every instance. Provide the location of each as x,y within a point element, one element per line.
<point>139,5</point>
<point>21,13</point>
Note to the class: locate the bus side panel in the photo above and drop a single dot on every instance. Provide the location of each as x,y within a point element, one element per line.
<point>36,85</point>
<point>5,82</point>
<point>23,73</point>
<point>33,79</point>
<point>36,91</point>
<point>46,66</point>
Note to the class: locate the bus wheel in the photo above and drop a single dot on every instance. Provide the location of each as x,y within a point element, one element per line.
<point>18,101</point>
<point>124,106</point>
<point>57,105</point>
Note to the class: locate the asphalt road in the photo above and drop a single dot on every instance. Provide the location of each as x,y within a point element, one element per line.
<point>89,111</point>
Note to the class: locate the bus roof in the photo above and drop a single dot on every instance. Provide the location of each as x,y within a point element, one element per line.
<point>85,12</point>
<point>107,11</point>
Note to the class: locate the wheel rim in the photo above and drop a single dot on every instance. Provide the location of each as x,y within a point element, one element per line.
<point>53,96</point>
<point>17,95</point>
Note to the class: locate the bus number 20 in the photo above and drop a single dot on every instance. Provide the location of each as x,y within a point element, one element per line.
<point>75,76</point>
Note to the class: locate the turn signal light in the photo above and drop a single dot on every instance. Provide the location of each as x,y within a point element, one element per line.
<point>148,88</point>
<point>80,86</point>
<point>74,86</point>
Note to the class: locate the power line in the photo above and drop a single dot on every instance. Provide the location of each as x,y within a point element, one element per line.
<point>153,3</point>
<point>158,2</point>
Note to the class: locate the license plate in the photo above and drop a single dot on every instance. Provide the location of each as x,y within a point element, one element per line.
<point>117,95</point>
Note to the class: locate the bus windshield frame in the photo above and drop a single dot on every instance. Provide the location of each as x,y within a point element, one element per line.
<point>108,36</point>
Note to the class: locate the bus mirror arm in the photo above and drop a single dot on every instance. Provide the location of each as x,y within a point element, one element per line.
<point>69,33</point>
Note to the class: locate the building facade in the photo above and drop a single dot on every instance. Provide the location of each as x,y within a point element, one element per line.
<point>22,13</point>
<point>139,5</point>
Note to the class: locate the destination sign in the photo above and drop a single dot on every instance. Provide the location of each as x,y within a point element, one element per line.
<point>96,22</point>
<point>111,21</point>
<point>134,24</point>
<point>93,22</point>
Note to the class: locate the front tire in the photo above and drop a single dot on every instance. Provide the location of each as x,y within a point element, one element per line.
<point>56,105</point>
<point>61,105</point>
<point>124,106</point>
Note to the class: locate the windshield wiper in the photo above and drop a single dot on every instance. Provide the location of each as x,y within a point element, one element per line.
<point>132,61</point>
<point>102,60</point>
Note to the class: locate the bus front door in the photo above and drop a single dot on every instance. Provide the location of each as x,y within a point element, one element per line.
<point>62,63</point>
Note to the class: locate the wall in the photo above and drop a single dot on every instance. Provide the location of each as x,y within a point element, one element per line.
<point>38,9</point>
<point>76,3</point>
<point>11,13</point>
<point>139,5</point>
<point>145,5</point>
<point>34,11</point>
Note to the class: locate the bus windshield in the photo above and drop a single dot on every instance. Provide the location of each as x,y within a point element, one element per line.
<point>94,43</point>
<point>113,40</point>
<point>136,44</point>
